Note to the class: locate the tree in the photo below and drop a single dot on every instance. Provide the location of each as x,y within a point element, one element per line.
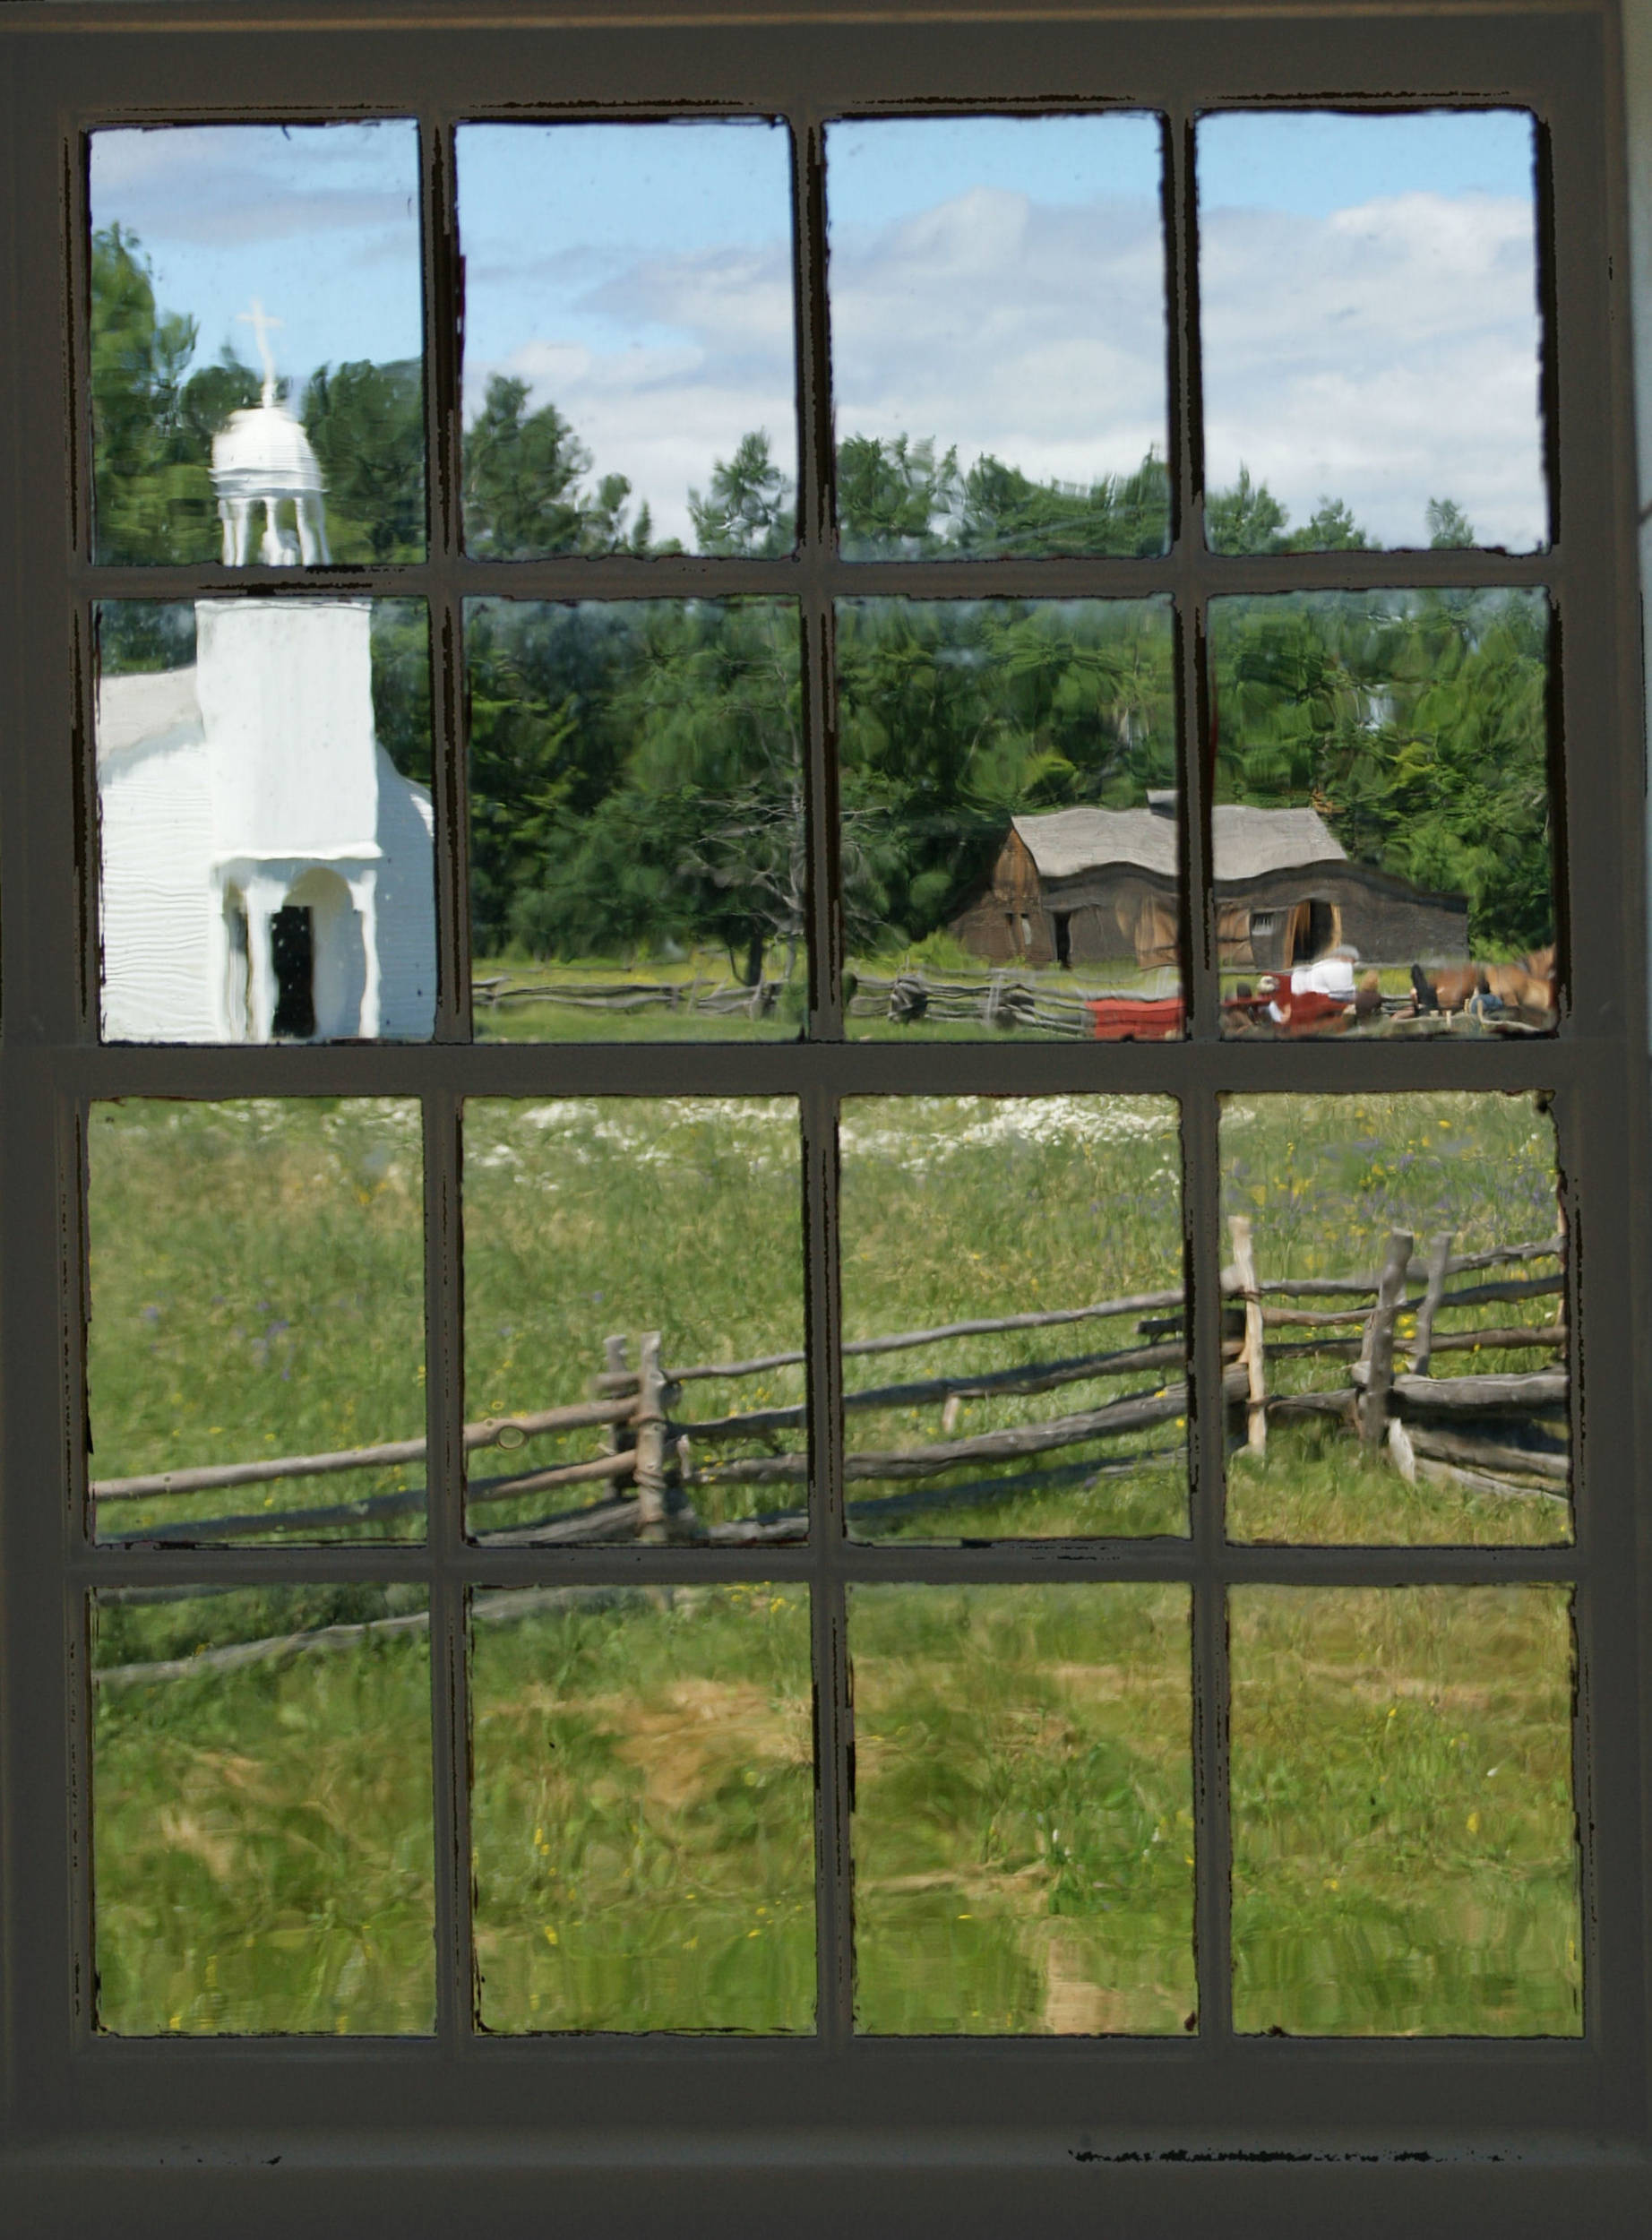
<point>748,509</point>
<point>1003,511</point>
<point>522,477</point>
<point>1447,525</point>
<point>1330,528</point>
<point>366,424</point>
<point>1248,518</point>
<point>894,496</point>
<point>152,495</point>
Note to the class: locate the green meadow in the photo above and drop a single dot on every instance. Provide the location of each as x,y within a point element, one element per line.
<point>641,1814</point>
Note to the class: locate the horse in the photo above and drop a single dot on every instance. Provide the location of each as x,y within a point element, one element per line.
<point>1527,986</point>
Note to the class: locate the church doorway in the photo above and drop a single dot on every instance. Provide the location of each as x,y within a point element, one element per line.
<point>292,956</point>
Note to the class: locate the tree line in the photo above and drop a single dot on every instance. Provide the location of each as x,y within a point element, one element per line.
<point>637,768</point>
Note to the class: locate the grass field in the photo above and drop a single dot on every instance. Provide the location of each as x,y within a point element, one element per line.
<point>257,1290</point>
<point>1404,1852</point>
<point>523,1018</point>
<point>1325,1181</point>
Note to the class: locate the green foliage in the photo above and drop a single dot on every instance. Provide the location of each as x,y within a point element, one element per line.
<point>367,422</point>
<point>1248,518</point>
<point>636,777</point>
<point>523,490</point>
<point>897,499</point>
<point>1416,723</point>
<point>954,716</point>
<point>746,510</point>
<point>1448,524</point>
<point>152,495</point>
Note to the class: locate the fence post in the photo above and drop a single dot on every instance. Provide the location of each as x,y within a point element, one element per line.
<point>650,1439</point>
<point>1380,1338</point>
<point>1250,1353</point>
<point>1421,1348</point>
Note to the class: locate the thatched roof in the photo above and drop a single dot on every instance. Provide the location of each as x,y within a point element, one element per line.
<point>1063,843</point>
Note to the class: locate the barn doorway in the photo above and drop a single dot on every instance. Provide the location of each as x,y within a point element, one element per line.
<point>1062,922</point>
<point>1317,928</point>
<point>292,956</point>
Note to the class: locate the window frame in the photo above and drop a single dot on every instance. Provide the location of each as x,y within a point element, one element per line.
<point>984,2121</point>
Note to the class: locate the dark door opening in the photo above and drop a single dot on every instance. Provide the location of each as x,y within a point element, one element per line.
<point>1062,923</point>
<point>292,953</point>
<point>1324,926</point>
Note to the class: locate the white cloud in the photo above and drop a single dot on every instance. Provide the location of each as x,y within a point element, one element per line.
<point>1384,355</point>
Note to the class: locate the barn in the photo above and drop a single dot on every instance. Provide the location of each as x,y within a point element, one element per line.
<point>266,872</point>
<point>1090,886</point>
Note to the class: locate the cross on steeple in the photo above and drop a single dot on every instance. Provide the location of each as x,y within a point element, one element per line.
<point>261,322</point>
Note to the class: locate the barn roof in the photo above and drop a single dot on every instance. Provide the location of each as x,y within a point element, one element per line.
<point>1066,842</point>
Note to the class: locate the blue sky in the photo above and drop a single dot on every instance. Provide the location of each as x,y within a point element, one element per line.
<point>997,282</point>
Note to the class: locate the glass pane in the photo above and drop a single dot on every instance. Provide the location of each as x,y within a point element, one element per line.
<point>257,344</point>
<point>1010,831</point>
<point>1396,1323</point>
<point>642,1808</point>
<point>266,865</point>
<point>1383,835</point>
<point>998,335</point>
<point>1012,1308</point>
<point>638,869</point>
<point>255,1360</point>
<point>629,338</point>
<point>261,1837</point>
<point>1403,1829</point>
<point>1372,337</point>
<point>633,1308</point>
<point>1023,1817</point>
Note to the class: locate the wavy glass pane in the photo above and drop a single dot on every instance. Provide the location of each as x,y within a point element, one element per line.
<point>638,869</point>
<point>1010,835</point>
<point>643,1807</point>
<point>256,1349</point>
<point>1384,830</point>
<point>261,1849</point>
<point>1396,1323</point>
<point>257,344</point>
<point>265,835</point>
<point>629,379</point>
<point>1405,1835</point>
<point>998,335</point>
<point>1023,1830</point>
<point>633,1321</point>
<point>1014,1362</point>
<point>1371,330</point>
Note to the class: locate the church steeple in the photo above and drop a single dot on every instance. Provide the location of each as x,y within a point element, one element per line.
<point>263,458</point>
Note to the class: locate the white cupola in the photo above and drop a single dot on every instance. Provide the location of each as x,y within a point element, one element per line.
<point>262,457</point>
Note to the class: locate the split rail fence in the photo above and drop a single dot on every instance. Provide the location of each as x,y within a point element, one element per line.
<point>1500,1433</point>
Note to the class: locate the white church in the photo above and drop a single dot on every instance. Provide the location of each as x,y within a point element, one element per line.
<point>267,873</point>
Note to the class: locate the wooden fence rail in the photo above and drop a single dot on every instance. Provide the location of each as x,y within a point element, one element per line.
<point>1390,1397</point>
